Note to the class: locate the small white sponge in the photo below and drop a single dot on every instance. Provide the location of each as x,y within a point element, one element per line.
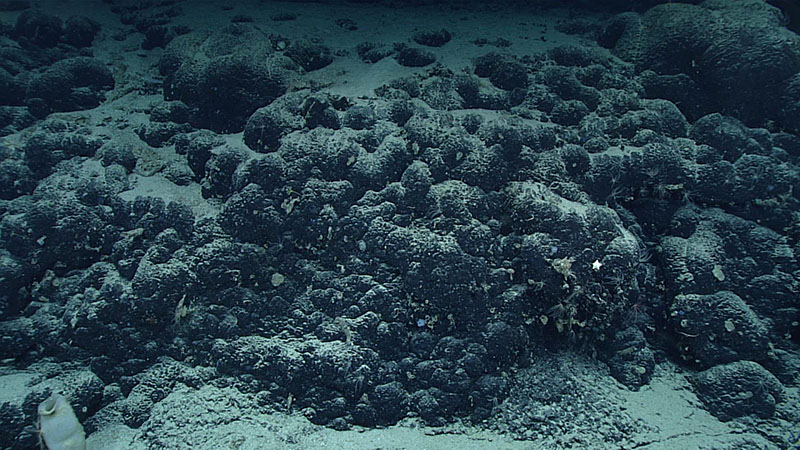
<point>58,425</point>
